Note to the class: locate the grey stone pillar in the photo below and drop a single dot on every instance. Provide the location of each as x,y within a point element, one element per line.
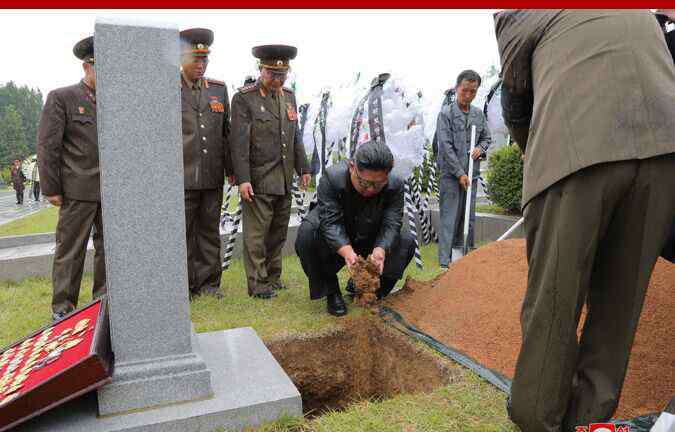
<point>140,146</point>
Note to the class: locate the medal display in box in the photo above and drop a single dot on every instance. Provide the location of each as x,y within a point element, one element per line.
<point>57,363</point>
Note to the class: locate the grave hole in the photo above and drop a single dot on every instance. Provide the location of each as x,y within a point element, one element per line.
<point>361,360</point>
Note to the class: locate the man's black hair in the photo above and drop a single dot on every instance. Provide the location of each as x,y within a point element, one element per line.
<point>374,156</point>
<point>468,75</point>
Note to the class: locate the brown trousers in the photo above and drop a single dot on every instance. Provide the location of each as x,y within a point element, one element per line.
<point>265,225</point>
<point>76,219</point>
<point>202,227</point>
<point>592,238</point>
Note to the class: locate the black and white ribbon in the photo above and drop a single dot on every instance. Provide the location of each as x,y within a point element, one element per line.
<point>412,225</point>
<point>299,197</point>
<point>371,106</point>
<point>225,216</point>
<point>232,236</point>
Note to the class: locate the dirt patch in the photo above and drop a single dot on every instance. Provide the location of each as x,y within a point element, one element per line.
<point>361,360</point>
<point>475,307</point>
<point>366,279</point>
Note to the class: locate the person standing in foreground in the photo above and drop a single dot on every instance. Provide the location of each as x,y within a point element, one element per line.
<point>69,175</point>
<point>359,212</point>
<point>266,150</point>
<point>206,161</point>
<point>453,138</point>
<point>589,96</point>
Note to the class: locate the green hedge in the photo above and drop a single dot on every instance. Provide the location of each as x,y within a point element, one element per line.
<point>6,176</point>
<point>505,178</point>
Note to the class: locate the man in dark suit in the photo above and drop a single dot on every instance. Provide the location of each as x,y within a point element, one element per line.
<point>359,212</point>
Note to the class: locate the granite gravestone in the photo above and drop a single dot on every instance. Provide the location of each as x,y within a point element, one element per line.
<point>161,382</point>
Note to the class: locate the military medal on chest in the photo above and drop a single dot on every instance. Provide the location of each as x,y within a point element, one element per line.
<point>215,105</point>
<point>290,110</point>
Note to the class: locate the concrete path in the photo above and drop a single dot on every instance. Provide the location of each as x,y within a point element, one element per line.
<point>10,210</point>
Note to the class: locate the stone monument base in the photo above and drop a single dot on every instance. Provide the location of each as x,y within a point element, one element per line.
<point>250,388</point>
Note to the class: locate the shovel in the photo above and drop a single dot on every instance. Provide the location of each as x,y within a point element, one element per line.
<point>460,252</point>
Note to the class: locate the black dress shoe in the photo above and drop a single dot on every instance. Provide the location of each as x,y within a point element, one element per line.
<point>335,304</point>
<point>213,292</point>
<point>265,295</point>
<point>57,316</point>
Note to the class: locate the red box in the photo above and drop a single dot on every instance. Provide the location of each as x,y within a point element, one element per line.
<point>55,364</point>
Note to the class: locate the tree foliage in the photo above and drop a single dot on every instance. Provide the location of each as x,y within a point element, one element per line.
<point>19,117</point>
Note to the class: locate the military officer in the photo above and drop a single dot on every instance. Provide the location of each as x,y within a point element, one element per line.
<point>206,129</point>
<point>598,199</point>
<point>266,150</point>
<point>69,175</point>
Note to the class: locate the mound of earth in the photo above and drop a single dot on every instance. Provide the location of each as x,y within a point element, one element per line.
<point>475,307</point>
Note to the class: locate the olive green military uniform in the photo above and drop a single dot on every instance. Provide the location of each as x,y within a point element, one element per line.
<point>206,127</point>
<point>597,190</point>
<point>68,163</point>
<point>205,108</point>
<point>266,150</point>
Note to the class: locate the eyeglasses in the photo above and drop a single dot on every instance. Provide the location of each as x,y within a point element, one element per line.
<point>368,184</point>
<point>277,74</point>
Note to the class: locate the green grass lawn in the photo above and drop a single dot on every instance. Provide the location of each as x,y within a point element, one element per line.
<point>40,222</point>
<point>467,404</point>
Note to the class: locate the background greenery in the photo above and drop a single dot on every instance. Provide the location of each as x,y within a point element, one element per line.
<point>505,178</point>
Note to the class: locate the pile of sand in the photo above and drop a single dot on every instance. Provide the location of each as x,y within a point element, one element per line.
<point>475,307</point>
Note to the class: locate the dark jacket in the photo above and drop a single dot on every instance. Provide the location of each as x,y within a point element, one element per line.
<point>206,132</point>
<point>266,142</point>
<point>18,180</point>
<point>345,217</point>
<point>67,144</point>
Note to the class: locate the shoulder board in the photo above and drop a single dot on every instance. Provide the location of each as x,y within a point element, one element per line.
<point>247,88</point>
<point>287,90</point>
<point>215,82</point>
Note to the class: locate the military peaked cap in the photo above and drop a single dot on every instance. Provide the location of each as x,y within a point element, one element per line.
<point>196,41</point>
<point>274,56</point>
<point>84,50</point>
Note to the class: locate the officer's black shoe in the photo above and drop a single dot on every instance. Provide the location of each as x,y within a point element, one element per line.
<point>213,292</point>
<point>265,295</point>
<point>57,316</point>
<point>335,305</point>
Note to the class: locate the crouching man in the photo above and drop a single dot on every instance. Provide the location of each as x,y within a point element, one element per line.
<point>359,212</point>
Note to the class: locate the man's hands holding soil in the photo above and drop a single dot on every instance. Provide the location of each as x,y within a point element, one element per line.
<point>377,258</point>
